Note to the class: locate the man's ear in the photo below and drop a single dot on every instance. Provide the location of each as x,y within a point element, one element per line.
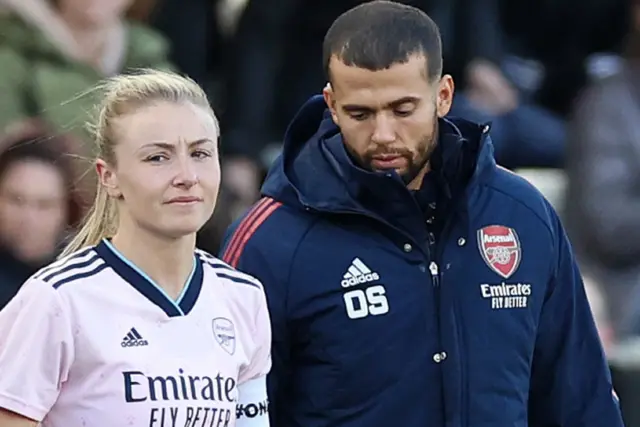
<point>108,178</point>
<point>445,95</point>
<point>329,99</point>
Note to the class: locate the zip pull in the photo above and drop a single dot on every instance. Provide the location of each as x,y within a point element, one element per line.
<point>435,276</point>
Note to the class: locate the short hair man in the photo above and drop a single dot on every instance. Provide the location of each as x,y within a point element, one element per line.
<point>411,280</point>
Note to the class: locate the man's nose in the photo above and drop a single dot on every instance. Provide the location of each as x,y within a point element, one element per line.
<point>384,131</point>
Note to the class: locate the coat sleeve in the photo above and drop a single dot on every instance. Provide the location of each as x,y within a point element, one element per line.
<point>267,258</point>
<point>571,383</point>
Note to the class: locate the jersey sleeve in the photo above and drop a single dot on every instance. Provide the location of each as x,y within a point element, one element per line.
<point>271,263</point>
<point>36,350</point>
<point>260,363</point>
<point>252,408</point>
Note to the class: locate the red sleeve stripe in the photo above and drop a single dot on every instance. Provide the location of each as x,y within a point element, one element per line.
<point>248,226</point>
<point>242,228</point>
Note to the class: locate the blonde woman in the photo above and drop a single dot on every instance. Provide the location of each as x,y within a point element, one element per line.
<point>134,326</point>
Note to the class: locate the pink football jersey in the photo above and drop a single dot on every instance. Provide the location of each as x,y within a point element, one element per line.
<point>90,340</point>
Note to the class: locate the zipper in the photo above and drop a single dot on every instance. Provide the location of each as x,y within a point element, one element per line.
<point>434,267</point>
<point>435,275</point>
<point>431,256</point>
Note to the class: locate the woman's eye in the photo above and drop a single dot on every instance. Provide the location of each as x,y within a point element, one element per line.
<point>156,158</point>
<point>201,154</point>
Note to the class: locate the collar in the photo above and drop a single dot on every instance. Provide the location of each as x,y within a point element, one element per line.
<point>131,274</point>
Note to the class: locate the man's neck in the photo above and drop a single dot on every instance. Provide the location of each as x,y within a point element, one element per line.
<point>416,183</point>
<point>168,262</point>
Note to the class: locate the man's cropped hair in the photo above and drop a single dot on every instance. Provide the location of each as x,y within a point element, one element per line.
<point>378,34</point>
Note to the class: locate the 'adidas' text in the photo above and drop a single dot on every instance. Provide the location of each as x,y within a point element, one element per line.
<point>358,273</point>
<point>133,339</point>
<point>365,278</point>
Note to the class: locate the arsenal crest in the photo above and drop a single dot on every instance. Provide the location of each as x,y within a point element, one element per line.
<point>500,249</point>
<point>225,334</point>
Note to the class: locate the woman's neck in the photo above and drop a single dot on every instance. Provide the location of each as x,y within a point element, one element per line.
<point>168,262</point>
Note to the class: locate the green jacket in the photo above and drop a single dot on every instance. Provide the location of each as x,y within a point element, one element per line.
<point>36,79</point>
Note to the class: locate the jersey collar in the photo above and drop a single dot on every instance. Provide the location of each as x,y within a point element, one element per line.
<point>147,287</point>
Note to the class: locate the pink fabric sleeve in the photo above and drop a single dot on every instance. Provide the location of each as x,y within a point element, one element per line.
<point>36,350</point>
<point>260,364</point>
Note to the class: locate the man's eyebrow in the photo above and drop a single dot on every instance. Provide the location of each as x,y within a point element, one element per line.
<point>392,104</point>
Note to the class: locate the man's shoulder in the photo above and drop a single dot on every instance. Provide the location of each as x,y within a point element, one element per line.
<point>514,190</point>
<point>268,229</point>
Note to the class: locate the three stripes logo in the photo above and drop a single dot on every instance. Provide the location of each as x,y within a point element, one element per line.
<point>358,273</point>
<point>133,339</point>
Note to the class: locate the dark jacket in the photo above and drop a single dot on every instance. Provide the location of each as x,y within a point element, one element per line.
<point>459,307</point>
<point>13,273</point>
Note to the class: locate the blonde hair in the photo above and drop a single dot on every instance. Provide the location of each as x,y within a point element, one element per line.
<point>122,95</point>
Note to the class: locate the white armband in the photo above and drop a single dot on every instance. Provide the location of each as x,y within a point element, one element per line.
<point>252,409</point>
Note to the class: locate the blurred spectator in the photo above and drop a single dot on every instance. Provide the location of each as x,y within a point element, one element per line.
<point>192,29</point>
<point>603,202</point>
<point>525,68</point>
<point>53,50</point>
<point>38,204</point>
<point>141,10</point>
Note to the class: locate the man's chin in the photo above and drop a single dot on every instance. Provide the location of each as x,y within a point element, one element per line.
<point>398,171</point>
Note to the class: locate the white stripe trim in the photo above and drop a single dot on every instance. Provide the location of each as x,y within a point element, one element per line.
<point>360,265</point>
<point>50,272</point>
<point>59,277</point>
<point>236,274</point>
<point>208,256</point>
<point>83,254</point>
<point>222,267</point>
<point>354,271</point>
<point>213,261</point>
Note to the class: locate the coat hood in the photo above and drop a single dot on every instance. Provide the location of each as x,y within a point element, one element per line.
<point>314,170</point>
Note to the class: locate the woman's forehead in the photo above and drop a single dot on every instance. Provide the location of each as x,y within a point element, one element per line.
<point>168,124</point>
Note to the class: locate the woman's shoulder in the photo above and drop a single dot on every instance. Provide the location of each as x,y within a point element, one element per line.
<point>80,265</point>
<point>227,273</point>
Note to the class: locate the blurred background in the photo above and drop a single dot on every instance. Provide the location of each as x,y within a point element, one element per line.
<point>559,80</point>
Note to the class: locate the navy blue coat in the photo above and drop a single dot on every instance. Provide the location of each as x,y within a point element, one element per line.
<point>463,307</point>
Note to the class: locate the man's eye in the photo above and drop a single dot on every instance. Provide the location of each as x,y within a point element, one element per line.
<point>403,112</point>
<point>358,116</point>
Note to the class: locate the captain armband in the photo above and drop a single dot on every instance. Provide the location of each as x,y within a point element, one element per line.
<point>252,409</point>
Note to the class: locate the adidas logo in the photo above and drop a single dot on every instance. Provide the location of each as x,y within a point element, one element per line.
<point>357,274</point>
<point>133,339</point>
